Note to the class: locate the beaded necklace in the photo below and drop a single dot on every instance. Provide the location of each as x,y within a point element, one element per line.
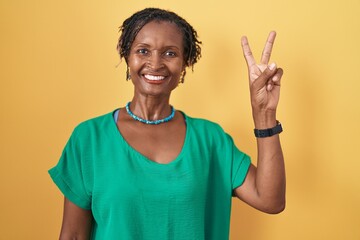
<point>154,122</point>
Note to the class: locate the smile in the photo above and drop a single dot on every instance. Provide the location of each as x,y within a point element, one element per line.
<point>154,78</point>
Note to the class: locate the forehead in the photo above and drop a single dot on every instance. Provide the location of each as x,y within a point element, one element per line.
<point>160,32</point>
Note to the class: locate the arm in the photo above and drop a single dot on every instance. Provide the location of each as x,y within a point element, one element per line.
<point>264,186</point>
<point>76,222</point>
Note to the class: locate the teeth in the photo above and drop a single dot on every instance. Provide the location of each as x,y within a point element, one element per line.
<point>154,78</point>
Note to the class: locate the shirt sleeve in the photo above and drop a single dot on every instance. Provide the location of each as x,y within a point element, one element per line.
<point>68,174</point>
<point>240,164</point>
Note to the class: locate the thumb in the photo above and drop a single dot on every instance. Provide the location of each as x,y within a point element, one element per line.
<point>265,76</point>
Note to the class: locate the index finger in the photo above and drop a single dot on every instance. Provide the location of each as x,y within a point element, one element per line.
<point>265,57</point>
<point>250,60</point>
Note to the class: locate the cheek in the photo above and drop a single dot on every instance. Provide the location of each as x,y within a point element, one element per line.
<point>133,62</point>
<point>177,67</point>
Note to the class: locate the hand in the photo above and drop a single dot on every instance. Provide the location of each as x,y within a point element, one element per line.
<point>264,79</point>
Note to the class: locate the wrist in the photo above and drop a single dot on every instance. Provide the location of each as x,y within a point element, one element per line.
<point>264,119</point>
<point>263,133</point>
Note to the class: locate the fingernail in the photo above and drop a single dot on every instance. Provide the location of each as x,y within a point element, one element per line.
<point>269,87</point>
<point>272,66</point>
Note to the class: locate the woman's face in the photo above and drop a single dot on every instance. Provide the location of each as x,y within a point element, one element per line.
<point>156,59</point>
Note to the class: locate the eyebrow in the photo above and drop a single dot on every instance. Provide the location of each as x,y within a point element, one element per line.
<point>147,45</point>
<point>142,44</point>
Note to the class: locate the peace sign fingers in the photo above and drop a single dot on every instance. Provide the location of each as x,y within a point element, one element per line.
<point>266,54</point>
<point>250,60</point>
<point>264,79</point>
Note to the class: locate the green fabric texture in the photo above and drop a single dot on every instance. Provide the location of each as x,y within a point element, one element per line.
<point>134,198</point>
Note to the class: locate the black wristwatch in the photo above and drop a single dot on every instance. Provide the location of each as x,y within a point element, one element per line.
<point>262,133</point>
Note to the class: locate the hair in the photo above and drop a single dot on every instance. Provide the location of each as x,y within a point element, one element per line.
<point>131,27</point>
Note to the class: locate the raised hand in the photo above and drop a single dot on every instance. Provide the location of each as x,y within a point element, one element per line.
<point>264,79</point>
<point>264,186</point>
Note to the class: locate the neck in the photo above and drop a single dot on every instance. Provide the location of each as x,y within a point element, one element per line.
<point>150,108</point>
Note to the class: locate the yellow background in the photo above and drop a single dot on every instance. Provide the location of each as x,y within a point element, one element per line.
<point>58,68</point>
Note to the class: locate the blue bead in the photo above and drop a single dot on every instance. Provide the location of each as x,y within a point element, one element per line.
<point>155,122</point>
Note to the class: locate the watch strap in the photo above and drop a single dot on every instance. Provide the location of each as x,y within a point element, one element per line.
<point>262,133</point>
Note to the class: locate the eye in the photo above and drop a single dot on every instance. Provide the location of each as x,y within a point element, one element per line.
<point>142,51</point>
<point>170,54</point>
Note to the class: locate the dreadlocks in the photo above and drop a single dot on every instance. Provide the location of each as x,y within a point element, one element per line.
<point>132,26</point>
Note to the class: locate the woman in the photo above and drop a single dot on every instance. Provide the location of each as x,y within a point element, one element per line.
<point>148,171</point>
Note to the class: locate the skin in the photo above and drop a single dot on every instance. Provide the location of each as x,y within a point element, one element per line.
<point>76,223</point>
<point>158,51</point>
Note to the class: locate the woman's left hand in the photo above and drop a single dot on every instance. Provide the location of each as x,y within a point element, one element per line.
<point>264,186</point>
<point>264,79</point>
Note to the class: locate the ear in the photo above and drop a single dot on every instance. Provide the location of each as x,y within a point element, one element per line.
<point>184,65</point>
<point>183,68</point>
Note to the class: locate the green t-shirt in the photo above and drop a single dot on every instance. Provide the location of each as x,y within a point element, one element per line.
<point>134,198</point>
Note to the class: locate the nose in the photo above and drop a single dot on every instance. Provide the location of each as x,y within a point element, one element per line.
<point>155,61</point>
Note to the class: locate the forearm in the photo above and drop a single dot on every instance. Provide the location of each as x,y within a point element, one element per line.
<point>270,173</point>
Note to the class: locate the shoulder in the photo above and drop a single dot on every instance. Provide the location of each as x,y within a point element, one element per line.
<point>205,128</point>
<point>202,123</point>
<point>94,125</point>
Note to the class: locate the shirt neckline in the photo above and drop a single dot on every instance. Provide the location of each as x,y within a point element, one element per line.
<point>148,161</point>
